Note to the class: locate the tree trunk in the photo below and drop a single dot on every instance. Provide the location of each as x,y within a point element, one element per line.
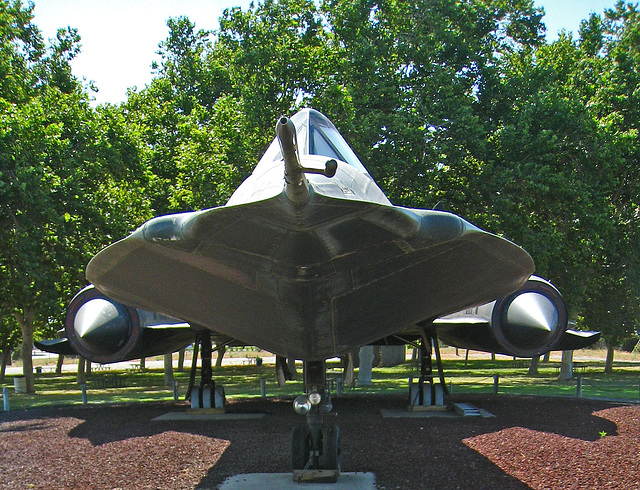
<point>291,365</point>
<point>348,377</point>
<point>566,367</point>
<point>608,365</point>
<point>181,360</point>
<point>533,367</point>
<point>25,320</point>
<point>168,369</point>
<point>219,356</point>
<point>59,364</point>
<point>82,377</point>
<point>142,364</point>
<point>281,376</point>
<point>546,357</point>
<point>6,357</point>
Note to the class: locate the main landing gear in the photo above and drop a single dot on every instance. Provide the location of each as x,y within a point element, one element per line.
<point>426,393</point>
<point>208,394</point>
<point>315,447</point>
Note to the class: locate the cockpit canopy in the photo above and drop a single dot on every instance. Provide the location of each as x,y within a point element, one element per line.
<point>316,135</point>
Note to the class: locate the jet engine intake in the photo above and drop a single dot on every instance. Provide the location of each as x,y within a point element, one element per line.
<point>526,323</point>
<point>531,321</point>
<point>103,330</point>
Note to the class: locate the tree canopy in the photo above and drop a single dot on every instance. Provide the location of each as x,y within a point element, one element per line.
<point>457,102</point>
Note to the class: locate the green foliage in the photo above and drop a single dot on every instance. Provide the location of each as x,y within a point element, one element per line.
<point>460,102</point>
<point>68,176</point>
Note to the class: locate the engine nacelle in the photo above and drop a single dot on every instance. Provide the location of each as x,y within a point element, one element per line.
<point>528,322</point>
<point>102,330</point>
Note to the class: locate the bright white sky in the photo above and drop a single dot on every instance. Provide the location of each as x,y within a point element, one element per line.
<point>120,37</point>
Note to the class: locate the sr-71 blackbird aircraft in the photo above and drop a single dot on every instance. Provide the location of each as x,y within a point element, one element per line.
<point>309,260</point>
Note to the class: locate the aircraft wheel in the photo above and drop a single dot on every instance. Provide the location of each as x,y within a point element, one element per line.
<point>219,397</point>
<point>195,398</point>
<point>207,397</point>
<point>439,401</point>
<point>331,448</point>
<point>300,446</point>
<point>414,394</point>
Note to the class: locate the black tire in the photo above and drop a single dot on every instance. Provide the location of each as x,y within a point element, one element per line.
<point>196,400</point>
<point>219,397</point>
<point>300,446</point>
<point>331,449</point>
<point>207,396</point>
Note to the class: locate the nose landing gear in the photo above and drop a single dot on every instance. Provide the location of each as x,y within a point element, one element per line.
<point>315,447</point>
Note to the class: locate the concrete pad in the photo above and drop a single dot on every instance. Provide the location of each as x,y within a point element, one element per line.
<point>195,416</point>
<point>428,414</point>
<point>284,481</point>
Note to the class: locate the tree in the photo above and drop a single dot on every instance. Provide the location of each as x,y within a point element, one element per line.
<point>556,171</point>
<point>274,53</point>
<point>9,340</point>
<point>62,189</point>
<point>611,44</point>
<point>417,75</point>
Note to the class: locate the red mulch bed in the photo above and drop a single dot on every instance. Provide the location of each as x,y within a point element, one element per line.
<point>531,443</point>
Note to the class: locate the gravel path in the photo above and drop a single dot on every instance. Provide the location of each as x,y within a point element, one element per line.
<point>531,443</point>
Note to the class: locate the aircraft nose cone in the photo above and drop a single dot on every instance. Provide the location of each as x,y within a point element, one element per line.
<point>534,311</point>
<point>531,319</point>
<point>101,324</point>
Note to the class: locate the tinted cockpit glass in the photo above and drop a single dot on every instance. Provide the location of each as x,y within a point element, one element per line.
<point>326,141</point>
<point>316,135</point>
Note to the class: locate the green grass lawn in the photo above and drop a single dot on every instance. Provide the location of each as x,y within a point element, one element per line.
<point>477,376</point>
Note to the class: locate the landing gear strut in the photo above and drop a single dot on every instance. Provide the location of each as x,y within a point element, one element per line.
<point>208,394</point>
<point>315,447</point>
<point>426,392</point>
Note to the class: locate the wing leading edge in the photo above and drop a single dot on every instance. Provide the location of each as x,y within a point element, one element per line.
<point>312,283</point>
